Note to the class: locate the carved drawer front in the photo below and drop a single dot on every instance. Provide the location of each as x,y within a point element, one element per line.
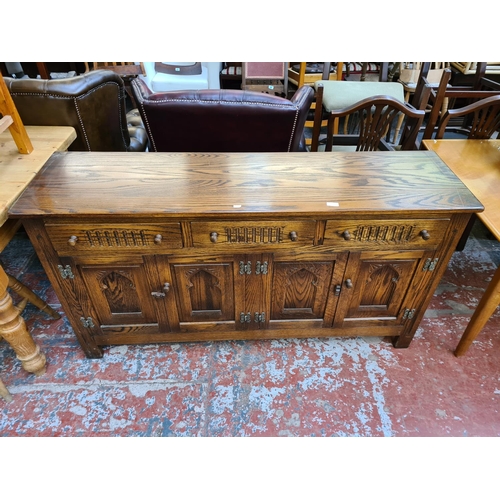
<point>71,239</point>
<point>385,234</point>
<point>233,234</point>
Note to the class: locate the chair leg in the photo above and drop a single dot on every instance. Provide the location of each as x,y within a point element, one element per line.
<point>4,392</point>
<point>332,122</point>
<point>29,296</point>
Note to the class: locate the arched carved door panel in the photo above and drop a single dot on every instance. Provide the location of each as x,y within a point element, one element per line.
<point>205,292</point>
<point>378,287</point>
<point>122,297</point>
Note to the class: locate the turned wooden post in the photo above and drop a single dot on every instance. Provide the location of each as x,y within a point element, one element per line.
<point>13,330</point>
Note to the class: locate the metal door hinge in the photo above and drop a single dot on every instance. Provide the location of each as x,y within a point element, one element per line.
<point>408,314</point>
<point>337,290</point>
<point>66,272</point>
<point>87,322</point>
<point>245,268</point>
<point>430,264</point>
<point>260,317</point>
<point>245,318</point>
<point>261,268</point>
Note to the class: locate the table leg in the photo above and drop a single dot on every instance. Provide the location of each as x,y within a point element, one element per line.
<point>13,330</point>
<point>486,307</point>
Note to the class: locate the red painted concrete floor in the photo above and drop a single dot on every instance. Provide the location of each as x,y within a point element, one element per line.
<point>314,387</point>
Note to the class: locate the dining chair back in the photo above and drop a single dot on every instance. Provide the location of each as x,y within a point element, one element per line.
<point>337,95</point>
<point>376,118</point>
<point>482,88</point>
<point>484,123</point>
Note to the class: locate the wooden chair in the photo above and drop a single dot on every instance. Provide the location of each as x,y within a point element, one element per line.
<point>468,68</point>
<point>127,70</point>
<point>481,89</point>
<point>124,69</point>
<point>11,120</point>
<point>362,69</point>
<point>337,95</point>
<point>305,73</point>
<point>377,115</point>
<point>484,123</point>
<point>230,75</point>
<point>409,76</point>
<point>267,77</point>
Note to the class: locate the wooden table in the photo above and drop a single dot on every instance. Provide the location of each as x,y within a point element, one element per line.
<point>16,172</point>
<point>477,164</point>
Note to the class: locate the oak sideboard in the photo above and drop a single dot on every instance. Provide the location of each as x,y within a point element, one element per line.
<point>174,247</point>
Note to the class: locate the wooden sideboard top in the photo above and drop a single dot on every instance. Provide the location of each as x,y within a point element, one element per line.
<point>236,184</point>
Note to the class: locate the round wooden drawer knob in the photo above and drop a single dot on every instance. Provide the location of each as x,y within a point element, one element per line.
<point>294,236</point>
<point>213,237</point>
<point>425,234</point>
<point>72,241</point>
<point>158,239</point>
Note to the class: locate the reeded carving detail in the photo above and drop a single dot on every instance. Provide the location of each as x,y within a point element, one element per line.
<point>266,234</point>
<point>395,234</point>
<point>118,238</point>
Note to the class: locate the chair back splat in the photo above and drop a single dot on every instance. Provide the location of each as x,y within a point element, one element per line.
<point>376,117</point>
<point>484,119</point>
<point>222,120</point>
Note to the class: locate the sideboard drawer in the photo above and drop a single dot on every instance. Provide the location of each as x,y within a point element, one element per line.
<point>283,233</point>
<point>69,239</point>
<point>356,234</point>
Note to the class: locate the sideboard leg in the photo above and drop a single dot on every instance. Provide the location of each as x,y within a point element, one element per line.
<point>13,330</point>
<point>402,342</point>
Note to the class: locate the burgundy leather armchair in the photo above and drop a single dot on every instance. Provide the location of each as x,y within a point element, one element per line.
<point>222,120</point>
<point>92,103</point>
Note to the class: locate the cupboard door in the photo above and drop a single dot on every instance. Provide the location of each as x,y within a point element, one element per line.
<point>230,292</point>
<point>123,298</point>
<point>306,291</point>
<point>378,287</point>
<point>205,292</point>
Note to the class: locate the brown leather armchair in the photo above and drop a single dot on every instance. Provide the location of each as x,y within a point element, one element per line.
<point>92,103</point>
<point>222,120</point>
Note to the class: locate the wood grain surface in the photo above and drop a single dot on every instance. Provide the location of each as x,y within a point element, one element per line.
<point>175,184</point>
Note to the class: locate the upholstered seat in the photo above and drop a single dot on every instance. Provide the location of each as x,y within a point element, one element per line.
<point>93,104</point>
<point>222,120</point>
<point>342,94</point>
